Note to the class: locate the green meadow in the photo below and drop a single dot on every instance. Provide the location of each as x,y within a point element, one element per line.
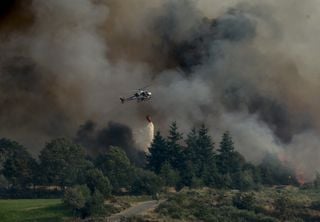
<point>46,210</point>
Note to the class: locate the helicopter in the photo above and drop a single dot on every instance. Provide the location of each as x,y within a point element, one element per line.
<point>140,95</point>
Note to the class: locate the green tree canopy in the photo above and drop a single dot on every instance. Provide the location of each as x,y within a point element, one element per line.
<point>117,167</point>
<point>17,164</point>
<point>95,180</point>
<point>61,162</point>
<point>7,148</point>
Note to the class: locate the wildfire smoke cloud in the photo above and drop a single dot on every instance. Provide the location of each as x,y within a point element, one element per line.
<point>240,65</point>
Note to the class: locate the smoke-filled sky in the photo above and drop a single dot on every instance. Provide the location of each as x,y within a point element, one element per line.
<point>246,66</point>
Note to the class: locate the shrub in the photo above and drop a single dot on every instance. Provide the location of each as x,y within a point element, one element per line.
<point>95,180</point>
<point>75,198</point>
<point>95,204</point>
<point>283,206</point>
<point>84,204</point>
<point>146,182</point>
<point>244,201</point>
<point>315,205</point>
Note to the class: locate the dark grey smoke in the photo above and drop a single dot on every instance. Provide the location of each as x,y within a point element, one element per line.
<point>23,93</point>
<point>98,141</point>
<point>86,136</point>
<point>194,48</point>
<point>204,44</point>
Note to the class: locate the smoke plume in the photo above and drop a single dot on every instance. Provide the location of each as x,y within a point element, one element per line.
<point>244,66</point>
<point>98,141</point>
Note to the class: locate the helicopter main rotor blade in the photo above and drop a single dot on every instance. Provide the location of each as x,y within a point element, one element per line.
<point>145,87</point>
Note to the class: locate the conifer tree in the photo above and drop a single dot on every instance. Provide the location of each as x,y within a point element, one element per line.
<point>191,150</point>
<point>175,154</point>
<point>226,154</point>
<point>200,155</point>
<point>158,153</point>
<point>205,149</point>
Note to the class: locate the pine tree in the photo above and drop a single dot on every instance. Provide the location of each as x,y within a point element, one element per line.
<point>175,154</point>
<point>174,135</point>
<point>207,161</point>
<point>205,149</point>
<point>190,161</point>
<point>158,153</point>
<point>191,150</point>
<point>226,144</point>
<point>226,154</point>
<point>200,155</point>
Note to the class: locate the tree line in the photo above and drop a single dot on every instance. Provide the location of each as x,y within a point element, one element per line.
<point>196,162</point>
<point>63,163</point>
<point>192,161</point>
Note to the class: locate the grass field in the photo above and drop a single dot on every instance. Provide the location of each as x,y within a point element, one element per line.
<point>44,210</point>
<point>52,210</point>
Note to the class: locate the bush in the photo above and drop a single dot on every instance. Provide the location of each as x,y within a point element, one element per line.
<point>283,205</point>
<point>244,201</point>
<point>95,205</point>
<point>243,180</point>
<point>146,182</point>
<point>95,180</point>
<point>84,204</point>
<point>198,206</point>
<point>315,205</point>
<point>75,198</point>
